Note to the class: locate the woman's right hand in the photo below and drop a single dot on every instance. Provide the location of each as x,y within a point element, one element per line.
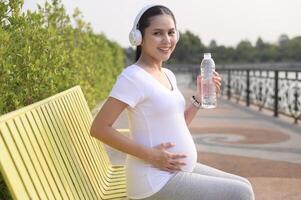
<point>160,158</point>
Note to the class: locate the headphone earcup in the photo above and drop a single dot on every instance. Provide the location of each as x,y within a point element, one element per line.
<point>135,37</point>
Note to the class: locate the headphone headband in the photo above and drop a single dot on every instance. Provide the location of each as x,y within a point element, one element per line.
<point>135,35</point>
<point>142,11</point>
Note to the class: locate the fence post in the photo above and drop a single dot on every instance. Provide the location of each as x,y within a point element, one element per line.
<point>276,94</point>
<point>229,84</point>
<point>248,87</point>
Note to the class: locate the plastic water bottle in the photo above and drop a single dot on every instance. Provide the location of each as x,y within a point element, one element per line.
<point>208,89</point>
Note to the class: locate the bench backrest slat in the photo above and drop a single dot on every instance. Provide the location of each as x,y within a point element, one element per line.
<point>88,118</point>
<point>84,142</point>
<point>52,143</point>
<point>11,161</point>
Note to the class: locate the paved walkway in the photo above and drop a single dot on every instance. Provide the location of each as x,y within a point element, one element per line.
<point>246,142</point>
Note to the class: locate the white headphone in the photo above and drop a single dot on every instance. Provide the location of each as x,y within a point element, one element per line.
<point>135,35</point>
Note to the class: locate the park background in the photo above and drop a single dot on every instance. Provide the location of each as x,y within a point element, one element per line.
<point>47,48</point>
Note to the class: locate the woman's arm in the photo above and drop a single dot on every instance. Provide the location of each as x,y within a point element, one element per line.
<point>192,110</point>
<point>102,129</point>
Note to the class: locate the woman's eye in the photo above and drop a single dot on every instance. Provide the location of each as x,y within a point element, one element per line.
<point>157,33</point>
<point>171,32</point>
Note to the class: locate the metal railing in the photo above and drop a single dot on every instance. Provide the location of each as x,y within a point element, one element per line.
<point>273,88</point>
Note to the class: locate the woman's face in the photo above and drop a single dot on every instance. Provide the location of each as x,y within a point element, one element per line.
<point>159,38</point>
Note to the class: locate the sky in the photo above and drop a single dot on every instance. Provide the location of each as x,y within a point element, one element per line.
<point>226,21</point>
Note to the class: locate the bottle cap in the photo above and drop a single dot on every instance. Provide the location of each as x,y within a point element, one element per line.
<point>207,55</point>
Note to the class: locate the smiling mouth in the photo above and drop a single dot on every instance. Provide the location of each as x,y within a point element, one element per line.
<point>165,49</point>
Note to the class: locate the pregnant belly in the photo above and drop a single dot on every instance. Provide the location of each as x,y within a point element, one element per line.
<point>185,146</point>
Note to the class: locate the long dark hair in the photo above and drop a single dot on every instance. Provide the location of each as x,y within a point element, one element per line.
<point>144,21</point>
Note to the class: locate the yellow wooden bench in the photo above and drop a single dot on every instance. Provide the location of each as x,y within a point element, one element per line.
<point>46,152</point>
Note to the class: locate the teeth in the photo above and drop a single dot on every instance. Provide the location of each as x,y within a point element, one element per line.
<point>164,49</point>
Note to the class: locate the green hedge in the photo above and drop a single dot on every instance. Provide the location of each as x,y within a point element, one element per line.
<point>46,51</point>
<point>42,54</point>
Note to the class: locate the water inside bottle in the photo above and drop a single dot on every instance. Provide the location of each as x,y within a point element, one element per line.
<point>209,94</point>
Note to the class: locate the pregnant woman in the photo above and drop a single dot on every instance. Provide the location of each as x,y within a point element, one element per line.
<point>161,155</point>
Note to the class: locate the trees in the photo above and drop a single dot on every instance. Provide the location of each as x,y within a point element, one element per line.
<point>190,50</point>
<point>293,49</point>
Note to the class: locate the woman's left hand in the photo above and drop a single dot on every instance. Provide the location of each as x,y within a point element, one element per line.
<point>217,79</point>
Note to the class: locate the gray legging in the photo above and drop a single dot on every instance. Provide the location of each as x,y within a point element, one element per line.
<point>205,183</point>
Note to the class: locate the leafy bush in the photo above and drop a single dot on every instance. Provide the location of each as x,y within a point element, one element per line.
<point>42,54</point>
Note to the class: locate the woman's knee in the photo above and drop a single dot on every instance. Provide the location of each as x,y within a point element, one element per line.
<point>246,181</point>
<point>245,191</point>
<point>250,189</point>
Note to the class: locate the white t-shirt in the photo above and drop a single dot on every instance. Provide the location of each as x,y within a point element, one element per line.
<point>156,115</point>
